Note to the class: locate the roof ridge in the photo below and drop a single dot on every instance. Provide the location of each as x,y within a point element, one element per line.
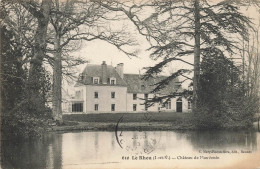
<point>143,74</point>
<point>90,64</point>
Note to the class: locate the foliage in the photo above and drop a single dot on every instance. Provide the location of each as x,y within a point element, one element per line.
<point>11,71</point>
<point>220,82</point>
<point>223,103</point>
<point>46,32</point>
<point>21,114</point>
<point>240,117</point>
<point>25,120</point>
<point>178,30</point>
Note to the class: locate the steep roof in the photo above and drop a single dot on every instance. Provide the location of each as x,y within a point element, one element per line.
<point>91,71</point>
<point>135,84</point>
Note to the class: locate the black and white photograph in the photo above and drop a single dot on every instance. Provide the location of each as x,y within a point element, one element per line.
<point>92,84</point>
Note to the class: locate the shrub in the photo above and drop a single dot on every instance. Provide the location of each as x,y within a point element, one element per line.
<point>25,120</point>
<point>228,116</point>
<point>205,119</point>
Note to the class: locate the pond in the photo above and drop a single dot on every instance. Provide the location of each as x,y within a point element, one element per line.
<point>128,149</point>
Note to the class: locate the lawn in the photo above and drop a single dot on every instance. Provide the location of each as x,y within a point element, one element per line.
<point>128,121</point>
<point>131,117</point>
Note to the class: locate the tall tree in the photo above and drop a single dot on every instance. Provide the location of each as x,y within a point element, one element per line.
<point>29,21</point>
<point>73,21</point>
<point>61,25</point>
<point>178,29</point>
<point>66,23</point>
<point>40,11</point>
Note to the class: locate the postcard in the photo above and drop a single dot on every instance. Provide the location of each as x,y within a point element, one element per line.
<point>130,84</point>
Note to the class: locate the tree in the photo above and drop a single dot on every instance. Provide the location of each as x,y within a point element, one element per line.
<point>18,17</point>
<point>74,21</point>
<point>41,12</point>
<point>12,74</point>
<point>65,22</point>
<point>221,83</point>
<point>223,103</point>
<point>178,29</point>
<point>17,113</point>
<point>65,25</point>
<point>252,64</point>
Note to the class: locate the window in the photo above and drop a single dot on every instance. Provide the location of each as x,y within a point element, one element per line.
<point>112,81</point>
<point>77,107</point>
<point>134,107</point>
<point>113,107</point>
<point>134,96</point>
<point>189,104</point>
<point>96,107</point>
<point>146,96</point>
<point>95,80</point>
<point>96,95</point>
<point>146,106</point>
<point>168,105</point>
<point>113,94</point>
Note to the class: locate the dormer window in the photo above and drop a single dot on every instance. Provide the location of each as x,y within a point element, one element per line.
<point>95,80</point>
<point>112,81</point>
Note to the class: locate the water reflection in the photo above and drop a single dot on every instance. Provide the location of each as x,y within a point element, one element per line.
<point>32,154</point>
<point>223,139</point>
<point>85,149</point>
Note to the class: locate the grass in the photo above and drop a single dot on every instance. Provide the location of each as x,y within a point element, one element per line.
<point>130,117</point>
<point>130,121</point>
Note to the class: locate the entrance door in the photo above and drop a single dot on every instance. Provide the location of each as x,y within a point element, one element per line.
<point>179,105</point>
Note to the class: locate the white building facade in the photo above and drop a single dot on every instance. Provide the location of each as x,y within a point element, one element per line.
<point>106,89</point>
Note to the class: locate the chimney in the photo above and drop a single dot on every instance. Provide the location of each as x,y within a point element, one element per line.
<point>104,72</point>
<point>120,69</point>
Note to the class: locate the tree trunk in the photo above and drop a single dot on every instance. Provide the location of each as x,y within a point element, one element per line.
<point>196,56</point>
<point>33,86</point>
<point>57,80</point>
<point>243,67</point>
<point>57,72</point>
<point>256,66</point>
<point>249,74</point>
